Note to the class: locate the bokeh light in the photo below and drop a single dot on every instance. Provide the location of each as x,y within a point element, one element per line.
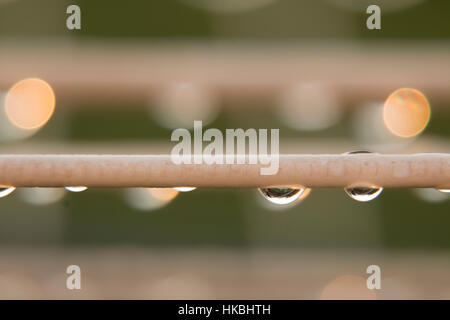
<point>30,103</point>
<point>406,112</point>
<point>8,130</point>
<point>163,194</point>
<point>309,107</point>
<point>370,131</point>
<point>42,196</point>
<point>147,199</point>
<point>182,103</point>
<point>431,195</point>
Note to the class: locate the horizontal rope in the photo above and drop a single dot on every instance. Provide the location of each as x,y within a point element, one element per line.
<point>325,170</point>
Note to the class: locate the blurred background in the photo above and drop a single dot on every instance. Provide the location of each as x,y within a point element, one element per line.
<point>138,69</point>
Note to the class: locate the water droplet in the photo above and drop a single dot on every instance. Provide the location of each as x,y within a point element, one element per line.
<point>185,189</point>
<point>281,195</point>
<point>4,191</point>
<point>362,192</point>
<point>444,190</point>
<point>76,189</point>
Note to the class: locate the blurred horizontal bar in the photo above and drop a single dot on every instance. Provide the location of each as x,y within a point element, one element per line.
<point>130,71</point>
<point>219,273</point>
<point>325,170</point>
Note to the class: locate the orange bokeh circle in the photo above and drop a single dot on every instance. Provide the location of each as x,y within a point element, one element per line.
<point>30,103</point>
<point>406,112</point>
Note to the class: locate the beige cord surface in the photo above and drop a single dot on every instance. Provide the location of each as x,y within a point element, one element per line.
<point>326,170</point>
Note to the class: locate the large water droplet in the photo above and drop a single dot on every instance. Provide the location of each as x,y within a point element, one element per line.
<point>281,195</point>
<point>4,191</point>
<point>362,192</point>
<point>76,189</point>
<point>185,189</point>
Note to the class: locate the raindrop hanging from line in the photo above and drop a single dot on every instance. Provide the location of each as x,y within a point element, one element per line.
<point>281,196</point>
<point>76,189</point>
<point>362,192</point>
<point>4,191</point>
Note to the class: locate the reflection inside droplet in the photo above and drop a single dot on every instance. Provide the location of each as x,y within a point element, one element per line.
<point>4,191</point>
<point>185,189</point>
<point>362,192</point>
<point>76,189</point>
<point>444,190</point>
<point>282,196</point>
